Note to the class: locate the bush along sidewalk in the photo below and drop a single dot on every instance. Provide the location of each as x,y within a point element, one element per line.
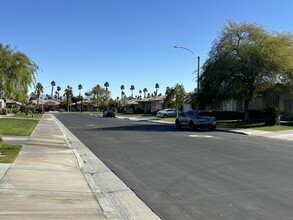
<point>272,115</point>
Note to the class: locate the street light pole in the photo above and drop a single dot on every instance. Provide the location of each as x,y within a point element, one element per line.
<point>198,66</point>
<point>198,62</point>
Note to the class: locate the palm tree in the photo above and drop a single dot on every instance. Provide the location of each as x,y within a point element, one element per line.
<point>80,88</point>
<point>106,85</point>
<point>157,86</point>
<point>140,93</point>
<point>39,90</point>
<point>122,88</point>
<point>132,88</point>
<point>52,84</point>
<point>145,90</point>
<point>68,94</point>
<point>58,89</point>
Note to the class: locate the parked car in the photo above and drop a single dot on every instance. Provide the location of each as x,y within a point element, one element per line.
<point>109,114</point>
<point>196,119</point>
<point>168,112</point>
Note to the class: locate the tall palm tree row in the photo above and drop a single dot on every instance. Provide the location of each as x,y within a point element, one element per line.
<point>106,85</point>
<point>132,88</point>
<point>58,92</point>
<point>52,84</point>
<point>157,86</point>
<point>68,94</point>
<point>79,88</point>
<point>39,91</point>
<point>122,92</point>
<point>145,90</point>
<point>80,97</point>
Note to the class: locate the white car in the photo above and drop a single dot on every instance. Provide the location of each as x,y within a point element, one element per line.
<point>168,112</point>
<point>196,119</point>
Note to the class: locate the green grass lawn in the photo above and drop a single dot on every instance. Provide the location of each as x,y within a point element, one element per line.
<point>252,125</point>
<point>30,115</point>
<point>16,126</point>
<point>221,123</point>
<point>8,152</point>
<point>275,128</point>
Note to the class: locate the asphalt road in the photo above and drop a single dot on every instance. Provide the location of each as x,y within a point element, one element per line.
<point>193,175</point>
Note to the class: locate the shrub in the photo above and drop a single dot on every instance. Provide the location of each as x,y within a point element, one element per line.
<point>272,115</point>
<point>228,115</point>
<point>256,115</point>
<point>3,111</point>
<point>15,110</point>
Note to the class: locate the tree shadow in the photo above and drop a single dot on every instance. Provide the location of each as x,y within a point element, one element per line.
<point>148,128</point>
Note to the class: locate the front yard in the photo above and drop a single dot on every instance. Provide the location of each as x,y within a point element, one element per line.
<point>8,152</point>
<point>253,125</point>
<point>16,127</point>
<point>221,123</point>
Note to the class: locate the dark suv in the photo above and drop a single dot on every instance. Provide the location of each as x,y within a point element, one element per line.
<point>196,119</point>
<point>109,114</point>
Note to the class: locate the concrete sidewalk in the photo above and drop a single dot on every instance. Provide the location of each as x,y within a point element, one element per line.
<point>281,135</point>
<point>45,181</point>
<point>56,177</point>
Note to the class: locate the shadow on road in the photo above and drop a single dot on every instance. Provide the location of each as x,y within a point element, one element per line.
<point>148,128</point>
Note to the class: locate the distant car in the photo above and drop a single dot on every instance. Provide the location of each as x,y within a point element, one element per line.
<point>168,112</point>
<point>196,119</point>
<point>108,114</point>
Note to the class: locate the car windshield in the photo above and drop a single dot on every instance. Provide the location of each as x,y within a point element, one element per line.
<point>204,114</point>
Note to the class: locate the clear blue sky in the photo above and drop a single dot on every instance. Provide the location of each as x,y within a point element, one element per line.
<point>127,42</point>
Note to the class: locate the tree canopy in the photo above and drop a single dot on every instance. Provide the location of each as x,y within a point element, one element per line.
<point>175,96</point>
<point>17,73</point>
<point>244,61</point>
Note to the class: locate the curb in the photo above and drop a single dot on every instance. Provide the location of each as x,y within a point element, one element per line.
<point>232,131</point>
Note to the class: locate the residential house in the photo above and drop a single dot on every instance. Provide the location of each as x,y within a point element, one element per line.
<point>145,105</point>
<point>47,105</point>
<point>280,97</point>
<point>2,104</point>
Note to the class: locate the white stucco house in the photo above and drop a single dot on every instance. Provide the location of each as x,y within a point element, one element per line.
<point>2,103</point>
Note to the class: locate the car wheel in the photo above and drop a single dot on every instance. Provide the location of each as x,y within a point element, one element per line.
<point>177,124</point>
<point>191,125</point>
<point>165,116</point>
<point>212,128</point>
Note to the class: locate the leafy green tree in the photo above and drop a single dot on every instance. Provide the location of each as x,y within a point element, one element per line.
<point>175,97</point>
<point>99,95</point>
<point>52,84</point>
<point>112,104</point>
<point>17,73</point>
<point>244,61</point>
